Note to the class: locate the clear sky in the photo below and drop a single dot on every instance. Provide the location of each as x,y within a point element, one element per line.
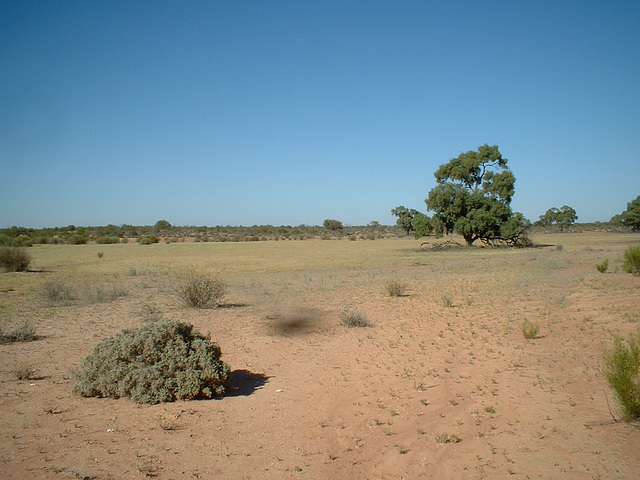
<point>291,112</point>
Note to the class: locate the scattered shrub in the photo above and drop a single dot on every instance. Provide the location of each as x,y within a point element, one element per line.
<point>395,288</point>
<point>159,362</point>
<point>56,292</point>
<point>632,260</point>
<point>199,290</point>
<point>622,371</point>
<point>14,259</point>
<point>351,317</point>
<point>24,372</point>
<point>107,239</point>
<point>25,332</point>
<point>530,330</point>
<point>148,239</point>
<point>604,266</point>
<point>104,294</point>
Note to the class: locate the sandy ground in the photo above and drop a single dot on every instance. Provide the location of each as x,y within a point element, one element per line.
<point>442,386</point>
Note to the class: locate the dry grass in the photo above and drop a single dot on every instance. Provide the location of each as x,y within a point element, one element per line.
<point>327,401</point>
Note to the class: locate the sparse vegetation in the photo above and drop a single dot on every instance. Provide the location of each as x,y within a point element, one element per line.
<point>24,372</point>
<point>603,266</point>
<point>14,259</point>
<point>395,288</point>
<point>632,260</point>
<point>622,371</point>
<point>159,362</point>
<point>199,290</point>
<point>57,292</point>
<point>530,330</point>
<point>350,317</point>
<point>24,332</point>
<point>447,438</point>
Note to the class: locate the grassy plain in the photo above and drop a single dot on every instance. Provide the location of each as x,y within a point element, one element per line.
<point>442,385</point>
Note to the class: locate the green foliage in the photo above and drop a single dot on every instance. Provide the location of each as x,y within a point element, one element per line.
<point>632,260</point>
<point>530,330</point>
<point>631,216</point>
<point>473,197</point>
<point>622,371</point>
<point>25,332</point>
<point>14,259</point>
<point>199,290</point>
<point>333,225</point>
<point>350,317</point>
<point>148,240</point>
<point>107,239</point>
<point>604,266</point>
<point>161,361</point>
<point>563,217</point>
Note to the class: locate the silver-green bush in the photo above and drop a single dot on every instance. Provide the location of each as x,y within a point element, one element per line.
<point>161,361</point>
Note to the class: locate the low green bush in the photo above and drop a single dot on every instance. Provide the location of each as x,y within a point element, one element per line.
<point>622,371</point>
<point>161,361</point>
<point>14,259</point>
<point>107,239</point>
<point>148,240</point>
<point>632,260</point>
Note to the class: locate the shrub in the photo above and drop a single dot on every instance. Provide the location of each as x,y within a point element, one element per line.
<point>159,362</point>
<point>632,260</point>
<point>199,290</point>
<point>351,317</point>
<point>14,259</point>
<point>57,292</point>
<point>104,294</point>
<point>604,266</point>
<point>107,239</point>
<point>148,240</point>
<point>26,332</point>
<point>395,288</point>
<point>530,330</point>
<point>622,371</point>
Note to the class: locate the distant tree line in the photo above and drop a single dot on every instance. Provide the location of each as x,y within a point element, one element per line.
<point>168,233</point>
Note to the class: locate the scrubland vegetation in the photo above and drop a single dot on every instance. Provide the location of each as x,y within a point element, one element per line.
<point>474,362</point>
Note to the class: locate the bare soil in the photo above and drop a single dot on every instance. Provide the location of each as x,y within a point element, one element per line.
<point>443,385</point>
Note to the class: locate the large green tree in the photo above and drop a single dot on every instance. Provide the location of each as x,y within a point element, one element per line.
<point>631,216</point>
<point>473,197</point>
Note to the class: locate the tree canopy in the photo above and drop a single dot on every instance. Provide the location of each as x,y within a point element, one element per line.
<point>473,196</point>
<point>563,217</point>
<point>631,216</point>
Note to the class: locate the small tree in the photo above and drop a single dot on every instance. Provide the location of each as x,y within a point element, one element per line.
<point>406,218</point>
<point>333,225</point>
<point>473,197</point>
<point>563,217</point>
<point>631,216</point>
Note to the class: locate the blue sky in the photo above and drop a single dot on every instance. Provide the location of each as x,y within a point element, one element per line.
<point>287,113</point>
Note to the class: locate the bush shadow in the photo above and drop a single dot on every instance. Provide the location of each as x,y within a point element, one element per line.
<point>245,382</point>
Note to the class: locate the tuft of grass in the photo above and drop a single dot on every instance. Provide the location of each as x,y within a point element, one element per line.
<point>622,371</point>
<point>14,259</point>
<point>199,290</point>
<point>447,438</point>
<point>24,372</point>
<point>447,302</point>
<point>632,260</point>
<point>604,266</point>
<point>395,288</point>
<point>25,332</point>
<point>105,294</point>
<point>350,317</point>
<point>530,330</point>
